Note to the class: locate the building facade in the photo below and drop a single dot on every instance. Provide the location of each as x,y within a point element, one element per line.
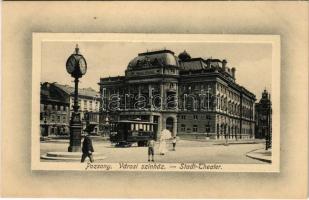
<point>89,102</point>
<point>54,111</point>
<point>263,116</point>
<point>183,94</point>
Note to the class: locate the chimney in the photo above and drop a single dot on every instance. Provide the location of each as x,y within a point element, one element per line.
<point>233,72</point>
<point>224,64</point>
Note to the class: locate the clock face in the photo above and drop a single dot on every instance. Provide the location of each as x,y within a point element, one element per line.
<point>70,65</point>
<point>82,66</point>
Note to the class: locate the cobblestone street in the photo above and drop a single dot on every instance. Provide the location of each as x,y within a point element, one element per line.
<point>186,151</point>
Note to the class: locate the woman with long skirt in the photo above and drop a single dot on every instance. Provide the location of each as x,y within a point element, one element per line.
<point>162,146</point>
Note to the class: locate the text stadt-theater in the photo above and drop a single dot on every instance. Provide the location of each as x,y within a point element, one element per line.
<point>183,94</point>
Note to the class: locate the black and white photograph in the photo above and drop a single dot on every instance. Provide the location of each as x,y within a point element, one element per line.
<point>154,99</point>
<point>148,102</point>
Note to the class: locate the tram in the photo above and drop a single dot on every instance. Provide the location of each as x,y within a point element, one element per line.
<point>124,133</point>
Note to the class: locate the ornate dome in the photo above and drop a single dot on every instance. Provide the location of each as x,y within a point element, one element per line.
<point>154,59</point>
<point>184,56</point>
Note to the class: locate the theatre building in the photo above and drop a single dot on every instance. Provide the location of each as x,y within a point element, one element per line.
<point>183,94</point>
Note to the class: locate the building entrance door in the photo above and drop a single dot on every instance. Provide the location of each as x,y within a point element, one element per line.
<point>169,124</point>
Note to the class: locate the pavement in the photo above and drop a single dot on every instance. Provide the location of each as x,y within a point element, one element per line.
<point>186,151</point>
<point>69,156</point>
<point>260,154</point>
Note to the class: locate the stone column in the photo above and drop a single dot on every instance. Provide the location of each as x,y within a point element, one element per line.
<point>162,94</point>
<point>139,90</point>
<point>160,126</point>
<point>151,118</point>
<point>163,120</point>
<point>150,96</point>
<point>174,127</point>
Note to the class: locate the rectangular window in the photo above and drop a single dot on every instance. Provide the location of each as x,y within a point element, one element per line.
<point>195,117</point>
<point>195,128</point>
<point>58,118</point>
<point>183,128</point>
<point>90,105</point>
<point>183,117</point>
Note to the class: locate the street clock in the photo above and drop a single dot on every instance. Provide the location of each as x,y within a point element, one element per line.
<point>76,64</point>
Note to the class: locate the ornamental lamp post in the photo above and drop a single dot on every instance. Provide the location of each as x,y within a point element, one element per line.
<point>76,66</point>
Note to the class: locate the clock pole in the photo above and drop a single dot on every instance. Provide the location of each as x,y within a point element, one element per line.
<point>74,68</point>
<point>75,107</point>
<point>75,124</point>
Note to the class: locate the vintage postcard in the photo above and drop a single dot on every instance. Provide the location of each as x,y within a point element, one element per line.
<point>156,102</point>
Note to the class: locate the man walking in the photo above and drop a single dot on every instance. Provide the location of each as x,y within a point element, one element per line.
<point>174,143</point>
<point>87,149</point>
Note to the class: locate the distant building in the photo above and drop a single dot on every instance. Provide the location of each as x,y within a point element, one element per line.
<point>89,102</point>
<point>54,111</point>
<point>263,116</point>
<point>183,94</point>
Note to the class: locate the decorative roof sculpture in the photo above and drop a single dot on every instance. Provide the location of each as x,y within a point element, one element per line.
<point>153,59</point>
<point>184,56</point>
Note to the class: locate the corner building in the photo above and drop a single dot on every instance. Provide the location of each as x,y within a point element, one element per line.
<point>56,108</point>
<point>263,116</point>
<point>183,94</point>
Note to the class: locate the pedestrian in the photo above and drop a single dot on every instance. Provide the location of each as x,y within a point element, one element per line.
<point>174,143</point>
<point>151,144</point>
<point>87,149</point>
<point>162,146</point>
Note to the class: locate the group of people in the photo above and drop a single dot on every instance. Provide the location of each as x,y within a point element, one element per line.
<point>165,134</point>
<point>87,148</point>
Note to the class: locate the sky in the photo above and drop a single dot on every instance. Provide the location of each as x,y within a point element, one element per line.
<point>253,61</point>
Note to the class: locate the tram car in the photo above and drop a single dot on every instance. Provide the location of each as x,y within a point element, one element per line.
<point>124,133</point>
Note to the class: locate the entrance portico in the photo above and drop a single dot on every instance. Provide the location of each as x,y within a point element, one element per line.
<point>170,123</point>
